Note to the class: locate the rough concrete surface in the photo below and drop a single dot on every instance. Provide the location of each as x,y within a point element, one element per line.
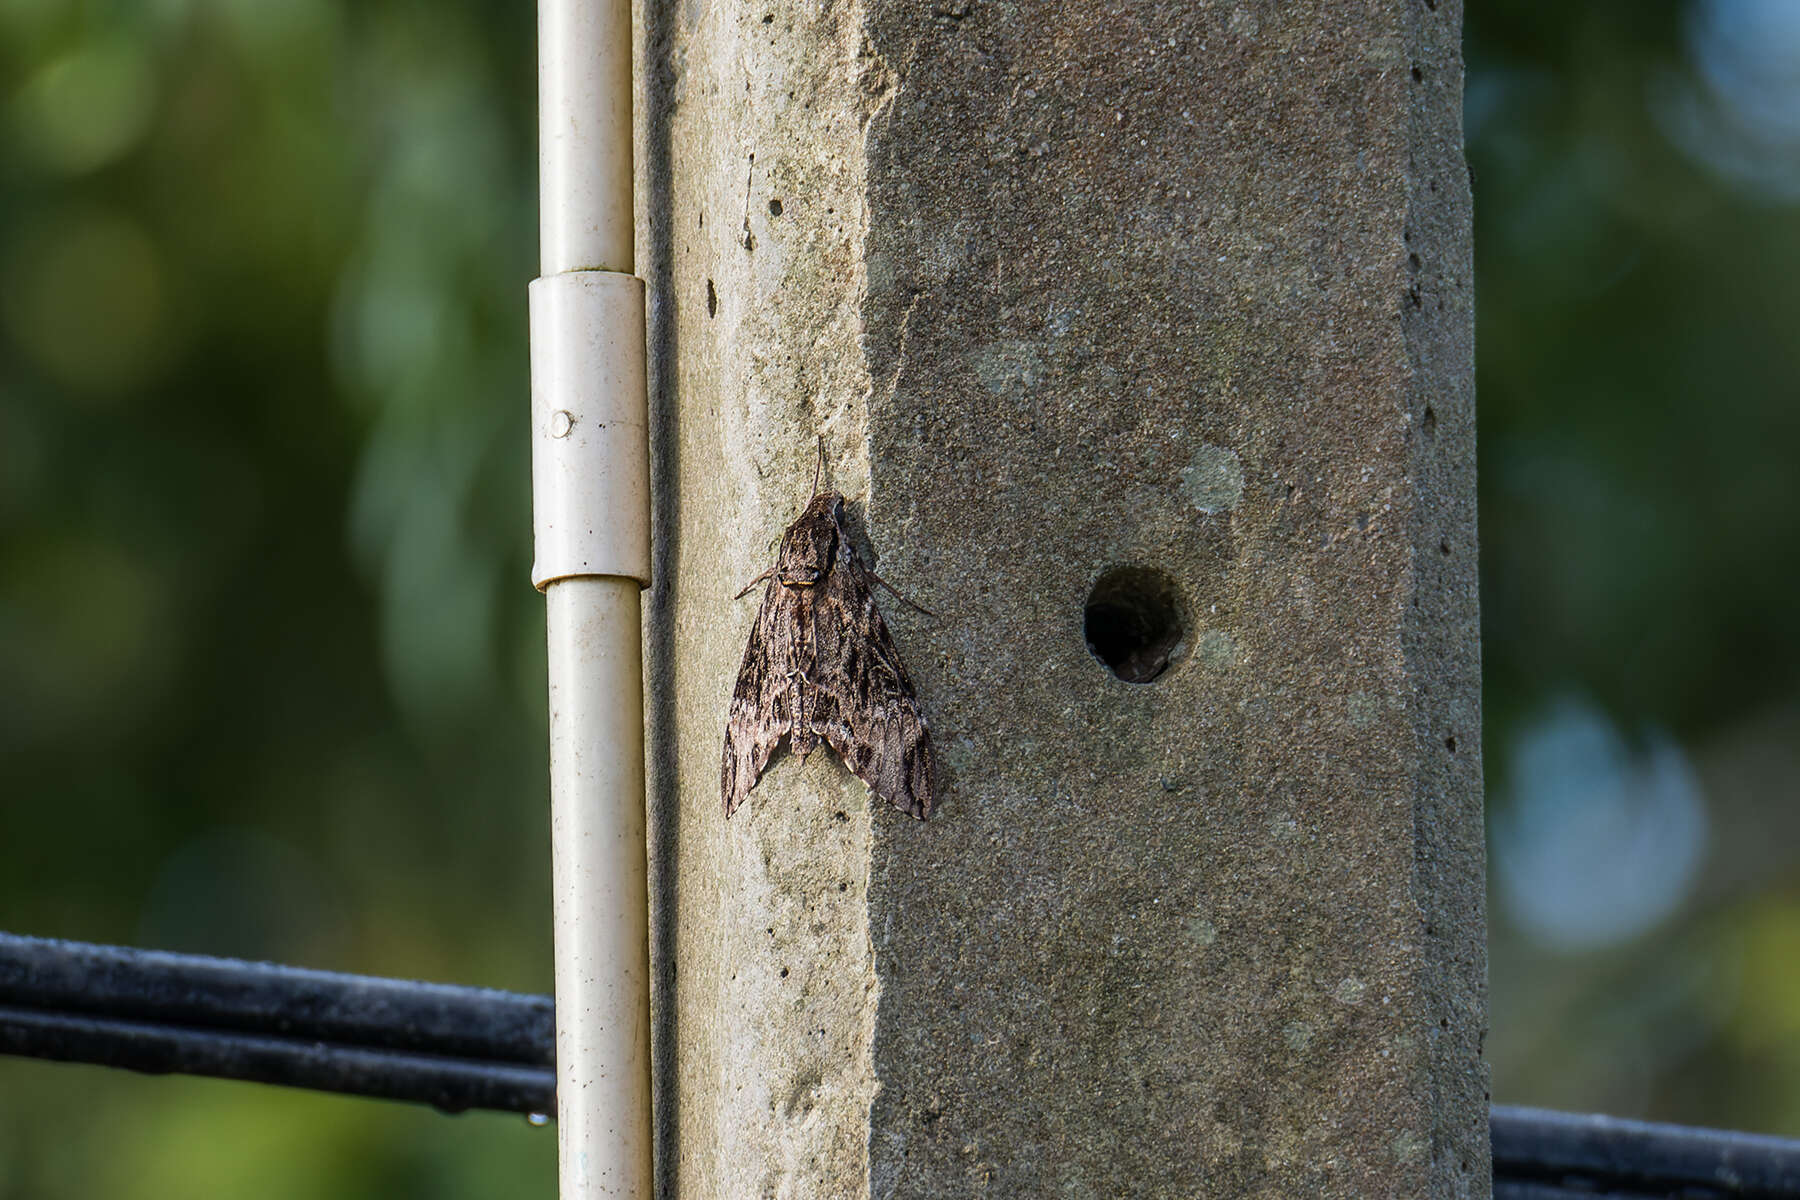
<point>1069,287</point>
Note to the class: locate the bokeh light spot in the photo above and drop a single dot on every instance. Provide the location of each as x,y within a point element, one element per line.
<point>82,292</point>
<point>87,108</point>
<point>1601,840</point>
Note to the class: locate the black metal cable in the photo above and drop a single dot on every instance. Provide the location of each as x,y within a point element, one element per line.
<point>459,1048</point>
<point>1543,1154</point>
<point>144,1010</point>
<point>451,1084</point>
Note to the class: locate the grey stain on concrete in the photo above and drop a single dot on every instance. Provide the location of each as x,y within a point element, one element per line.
<point>1010,367</point>
<point>1213,481</point>
<point>1216,649</point>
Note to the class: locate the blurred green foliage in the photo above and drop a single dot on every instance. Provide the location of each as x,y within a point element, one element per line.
<point>273,669</point>
<point>271,675</point>
<point>1637,377</point>
<point>1636,174</point>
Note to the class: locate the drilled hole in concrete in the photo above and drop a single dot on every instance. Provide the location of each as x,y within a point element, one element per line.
<point>1134,623</point>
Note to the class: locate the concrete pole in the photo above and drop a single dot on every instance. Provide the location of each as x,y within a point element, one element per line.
<point>1136,332</point>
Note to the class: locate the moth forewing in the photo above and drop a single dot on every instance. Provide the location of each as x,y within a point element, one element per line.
<point>821,666</point>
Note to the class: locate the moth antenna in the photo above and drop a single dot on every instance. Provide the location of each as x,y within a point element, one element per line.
<point>753,583</point>
<point>895,593</point>
<point>818,470</point>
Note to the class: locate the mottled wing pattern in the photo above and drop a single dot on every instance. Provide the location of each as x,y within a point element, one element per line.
<point>769,692</point>
<point>821,666</point>
<point>863,703</point>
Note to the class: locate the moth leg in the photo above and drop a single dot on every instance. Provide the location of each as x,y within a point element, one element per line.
<point>766,574</point>
<point>895,593</point>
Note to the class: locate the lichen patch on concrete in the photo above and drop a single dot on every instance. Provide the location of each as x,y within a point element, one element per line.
<point>1213,480</point>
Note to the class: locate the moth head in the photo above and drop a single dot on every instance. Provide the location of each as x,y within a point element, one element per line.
<point>811,542</point>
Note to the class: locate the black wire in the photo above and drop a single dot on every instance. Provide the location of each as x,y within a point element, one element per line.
<point>144,1010</point>
<point>451,1084</point>
<point>1548,1154</point>
<point>459,1048</point>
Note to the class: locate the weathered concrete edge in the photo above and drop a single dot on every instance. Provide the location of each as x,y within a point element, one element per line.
<point>1442,637</point>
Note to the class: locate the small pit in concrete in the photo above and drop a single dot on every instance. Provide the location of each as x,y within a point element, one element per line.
<point>1135,622</point>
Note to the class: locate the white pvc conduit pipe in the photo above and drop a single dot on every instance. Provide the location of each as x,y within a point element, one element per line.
<point>591,516</point>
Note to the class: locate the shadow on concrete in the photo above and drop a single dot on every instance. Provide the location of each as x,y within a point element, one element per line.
<point>657,269</point>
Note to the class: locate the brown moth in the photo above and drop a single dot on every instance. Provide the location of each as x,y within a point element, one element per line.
<point>821,665</point>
